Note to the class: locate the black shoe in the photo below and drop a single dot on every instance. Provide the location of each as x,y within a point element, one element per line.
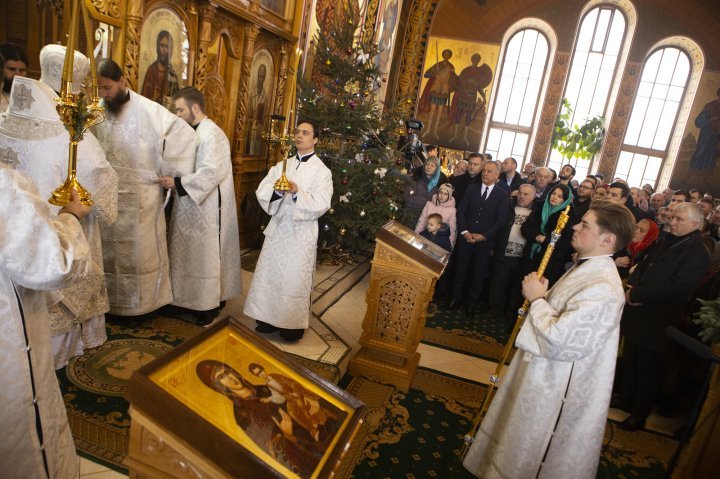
<point>265,328</point>
<point>632,423</point>
<point>203,318</point>
<point>471,310</point>
<point>292,335</point>
<point>451,304</point>
<point>616,402</point>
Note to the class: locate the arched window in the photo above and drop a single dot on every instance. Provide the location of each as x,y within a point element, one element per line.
<point>523,75</point>
<point>600,48</point>
<point>656,114</point>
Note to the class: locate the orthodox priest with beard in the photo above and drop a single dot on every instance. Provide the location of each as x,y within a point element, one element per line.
<point>548,417</point>
<point>279,296</point>
<point>142,141</point>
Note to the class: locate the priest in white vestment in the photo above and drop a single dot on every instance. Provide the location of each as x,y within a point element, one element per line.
<point>39,251</point>
<point>279,296</point>
<point>32,129</point>
<point>548,417</point>
<point>142,141</point>
<point>203,231</point>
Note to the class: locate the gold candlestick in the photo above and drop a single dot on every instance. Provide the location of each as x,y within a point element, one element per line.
<point>75,112</point>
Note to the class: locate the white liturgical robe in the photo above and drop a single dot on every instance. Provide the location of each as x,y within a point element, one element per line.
<point>548,417</point>
<point>142,142</point>
<point>32,132</point>
<point>203,231</point>
<point>38,251</point>
<point>282,282</point>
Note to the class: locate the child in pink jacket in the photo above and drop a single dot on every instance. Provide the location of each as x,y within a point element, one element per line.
<point>442,203</point>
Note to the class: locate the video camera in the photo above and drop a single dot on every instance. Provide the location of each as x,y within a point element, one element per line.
<point>410,145</point>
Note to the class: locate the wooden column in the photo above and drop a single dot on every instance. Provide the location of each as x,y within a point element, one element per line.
<point>132,42</point>
<point>250,35</point>
<point>207,16</point>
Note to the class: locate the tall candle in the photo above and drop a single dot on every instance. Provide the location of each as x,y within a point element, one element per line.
<point>70,50</point>
<point>90,40</point>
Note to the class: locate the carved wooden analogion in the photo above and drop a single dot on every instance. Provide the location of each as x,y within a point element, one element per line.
<point>402,281</point>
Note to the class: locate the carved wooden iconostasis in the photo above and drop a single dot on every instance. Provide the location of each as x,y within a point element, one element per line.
<point>228,49</point>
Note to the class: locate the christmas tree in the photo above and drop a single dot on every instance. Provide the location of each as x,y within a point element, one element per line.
<point>357,140</point>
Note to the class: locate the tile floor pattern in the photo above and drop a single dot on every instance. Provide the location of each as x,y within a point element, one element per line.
<point>345,319</point>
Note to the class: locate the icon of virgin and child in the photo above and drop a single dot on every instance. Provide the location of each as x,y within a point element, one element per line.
<point>293,425</point>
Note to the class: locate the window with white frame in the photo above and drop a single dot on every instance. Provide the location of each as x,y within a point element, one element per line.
<point>660,93</point>
<point>515,105</point>
<point>593,71</point>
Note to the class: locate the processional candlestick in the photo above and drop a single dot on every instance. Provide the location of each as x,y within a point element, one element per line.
<point>286,140</point>
<point>75,112</point>
<point>522,312</point>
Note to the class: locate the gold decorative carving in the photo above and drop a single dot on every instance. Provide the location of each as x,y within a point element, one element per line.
<point>251,34</point>
<point>232,29</point>
<point>541,148</point>
<point>215,97</point>
<point>132,42</point>
<point>282,80</point>
<point>111,8</point>
<point>207,15</point>
<point>620,119</point>
<point>370,21</point>
<point>394,313</point>
<point>414,45</point>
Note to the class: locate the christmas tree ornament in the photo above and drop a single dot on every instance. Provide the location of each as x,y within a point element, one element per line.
<point>331,211</point>
<point>362,213</point>
<point>343,231</point>
<point>344,181</point>
<point>374,192</point>
<point>399,161</point>
<point>328,62</point>
<point>326,227</point>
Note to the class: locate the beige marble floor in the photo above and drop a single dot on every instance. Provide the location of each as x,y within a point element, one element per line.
<point>345,319</point>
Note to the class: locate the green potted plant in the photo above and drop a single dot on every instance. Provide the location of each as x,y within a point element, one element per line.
<point>577,141</point>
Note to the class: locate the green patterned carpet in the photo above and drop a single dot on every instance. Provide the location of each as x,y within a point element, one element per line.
<point>419,434</point>
<point>483,336</point>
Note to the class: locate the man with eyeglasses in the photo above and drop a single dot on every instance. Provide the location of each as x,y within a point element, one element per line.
<point>279,296</point>
<point>585,191</point>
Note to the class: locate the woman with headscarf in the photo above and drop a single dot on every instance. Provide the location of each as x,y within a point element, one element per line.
<point>646,233</point>
<point>537,229</point>
<point>425,182</point>
<point>442,203</point>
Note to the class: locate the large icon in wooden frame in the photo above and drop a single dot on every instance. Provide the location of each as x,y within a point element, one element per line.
<point>228,387</point>
<point>164,50</point>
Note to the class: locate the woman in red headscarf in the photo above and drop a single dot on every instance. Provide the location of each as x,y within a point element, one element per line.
<point>646,233</point>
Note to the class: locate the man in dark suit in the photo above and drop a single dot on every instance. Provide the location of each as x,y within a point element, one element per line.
<point>460,183</point>
<point>658,293</point>
<point>510,179</point>
<point>481,213</point>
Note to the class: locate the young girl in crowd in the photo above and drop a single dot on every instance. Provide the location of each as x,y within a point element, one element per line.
<point>442,203</point>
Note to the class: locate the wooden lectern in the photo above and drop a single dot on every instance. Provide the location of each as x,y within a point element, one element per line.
<point>402,281</point>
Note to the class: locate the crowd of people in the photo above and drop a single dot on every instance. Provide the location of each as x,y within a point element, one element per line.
<point>504,218</point>
<point>629,263</point>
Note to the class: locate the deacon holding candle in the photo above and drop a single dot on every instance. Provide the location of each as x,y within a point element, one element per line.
<point>279,296</point>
